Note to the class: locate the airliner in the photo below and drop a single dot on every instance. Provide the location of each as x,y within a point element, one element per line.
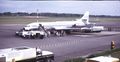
<point>81,24</point>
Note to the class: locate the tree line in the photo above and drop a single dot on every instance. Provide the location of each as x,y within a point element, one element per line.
<point>39,14</point>
<point>49,14</point>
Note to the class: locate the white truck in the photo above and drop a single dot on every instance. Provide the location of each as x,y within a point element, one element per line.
<point>25,54</point>
<point>32,33</point>
<point>92,29</point>
<point>38,32</point>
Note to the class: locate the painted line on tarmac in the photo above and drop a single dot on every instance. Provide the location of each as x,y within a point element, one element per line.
<point>98,34</point>
<point>60,45</point>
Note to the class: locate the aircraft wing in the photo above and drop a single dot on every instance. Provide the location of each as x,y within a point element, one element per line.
<point>65,28</point>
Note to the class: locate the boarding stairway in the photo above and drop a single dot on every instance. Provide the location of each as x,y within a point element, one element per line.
<point>42,27</point>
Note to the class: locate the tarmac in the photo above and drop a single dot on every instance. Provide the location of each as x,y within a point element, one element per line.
<point>65,47</point>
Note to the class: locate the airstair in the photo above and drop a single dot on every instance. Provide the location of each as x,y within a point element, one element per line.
<point>46,32</point>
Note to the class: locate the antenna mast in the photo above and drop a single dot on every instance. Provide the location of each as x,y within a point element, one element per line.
<point>37,15</point>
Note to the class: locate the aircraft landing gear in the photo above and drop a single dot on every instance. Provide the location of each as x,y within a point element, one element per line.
<point>60,33</point>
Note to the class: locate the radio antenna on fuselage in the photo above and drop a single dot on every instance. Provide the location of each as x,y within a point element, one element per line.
<point>37,15</point>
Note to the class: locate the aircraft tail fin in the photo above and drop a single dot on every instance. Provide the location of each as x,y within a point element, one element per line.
<point>85,18</point>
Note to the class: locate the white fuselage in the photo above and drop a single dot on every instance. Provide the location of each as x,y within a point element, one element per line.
<point>61,24</point>
<point>82,23</point>
<point>49,25</point>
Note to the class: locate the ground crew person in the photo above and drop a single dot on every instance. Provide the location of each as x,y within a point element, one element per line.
<point>112,45</point>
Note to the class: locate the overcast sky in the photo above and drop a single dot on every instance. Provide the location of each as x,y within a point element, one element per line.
<point>75,7</point>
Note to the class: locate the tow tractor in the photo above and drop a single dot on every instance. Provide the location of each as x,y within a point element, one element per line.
<point>32,33</point>
<point>25,54</point>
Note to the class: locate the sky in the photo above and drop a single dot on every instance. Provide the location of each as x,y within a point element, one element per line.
<point>75,7</point>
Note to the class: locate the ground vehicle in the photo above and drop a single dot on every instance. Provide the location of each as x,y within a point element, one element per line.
<point>92,29</point>
<point>25,54</point>
<point>32,33</point>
